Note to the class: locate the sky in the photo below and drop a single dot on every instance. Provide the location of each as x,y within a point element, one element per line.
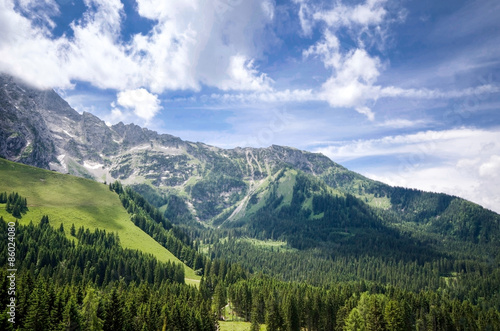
<point>406,92</point>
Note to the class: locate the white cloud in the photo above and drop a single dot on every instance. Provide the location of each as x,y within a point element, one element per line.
<point>305,16</point>
<point>401,123</point>
<point>354,71</point>
<point>371,12</point>
<point>40,11</point>
<point>367,112</point>
<point>242,75</point>
<point>392,91</point>
<point>459,143</point>
<point>178,53</point>
<point>351,84</point>
<point>327,49</point>
<point>268,8</point>
<point>271,96</point>
<point>490,168</point>
<point>353,81</point>
<point>144,104</point>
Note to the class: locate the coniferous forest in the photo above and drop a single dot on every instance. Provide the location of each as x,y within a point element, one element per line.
<point>77,279</point>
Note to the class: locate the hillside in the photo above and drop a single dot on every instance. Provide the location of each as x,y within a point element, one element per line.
<point>283,238</point>
<point>276,193</point>
<point>69,200</point>
<point>196,184</point>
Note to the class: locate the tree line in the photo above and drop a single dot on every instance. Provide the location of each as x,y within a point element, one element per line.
<point>91,283</point>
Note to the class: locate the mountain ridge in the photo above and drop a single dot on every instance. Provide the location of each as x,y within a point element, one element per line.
<point>203,184</point>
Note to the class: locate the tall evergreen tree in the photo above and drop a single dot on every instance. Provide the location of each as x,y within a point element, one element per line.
<point>71,316</point>
<point>355,322</point>
<point>113,312</point>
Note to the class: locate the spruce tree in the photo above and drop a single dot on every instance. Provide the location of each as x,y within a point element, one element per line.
<point>292,314</point>
<point>394,315</point>
<point>71,316</point>
<point>273,317</point>
<point>355,322</point>
<point>16,211</point>
<point>37,315</point>
<point>254,316</point>
<point>113,312</point>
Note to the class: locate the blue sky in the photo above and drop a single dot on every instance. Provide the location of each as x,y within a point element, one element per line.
<point>407,92</point>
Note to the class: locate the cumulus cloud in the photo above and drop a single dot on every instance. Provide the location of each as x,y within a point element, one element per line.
<point>351,84</point>
<point>354,71</point>
<point>242,75</point>
<point>178,53</point>
<point>144,104</point>
<point>353,75</point>
<point>220,49</point>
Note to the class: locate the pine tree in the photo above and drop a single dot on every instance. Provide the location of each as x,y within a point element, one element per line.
<point>44,220</point>
<point>71,316</point>
<point>292,321</point>
<point>355,322</point>
<point>3,197</point>
<point>16,211</point>
<point>374,317</point>
<point>113,312</point>
<point>90,319</point>
<point>273,317</point>
<point>254,316</point>
<point>394,316</point>
<point>220,300</point>
<point>37,315</point>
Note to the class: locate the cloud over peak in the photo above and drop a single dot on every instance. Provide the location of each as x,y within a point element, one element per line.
<point>216,49</point>
<point>144,104</point>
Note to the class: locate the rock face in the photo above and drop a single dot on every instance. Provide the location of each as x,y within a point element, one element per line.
<point>39,128</point>
<point>24,134</point>
<point>196,182</point>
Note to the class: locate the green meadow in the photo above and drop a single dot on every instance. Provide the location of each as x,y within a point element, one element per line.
<point>71,200</point>
<point>237,326</point>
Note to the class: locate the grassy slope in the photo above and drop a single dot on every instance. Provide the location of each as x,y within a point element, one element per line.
<point>237,326</point>
<point>74,200</point>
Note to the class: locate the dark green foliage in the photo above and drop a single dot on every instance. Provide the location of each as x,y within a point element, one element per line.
<point>357,306</point>
<point>95,285</point>
<point>113,312</point>
<point>151,221</point>
<point>15,204</point>
<point>97,259</point>
<point>150,194</point>
<point>178,212</point>
<point>338,224</point>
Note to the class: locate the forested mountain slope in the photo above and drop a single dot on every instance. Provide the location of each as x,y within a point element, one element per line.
<point>74,203</point>
<point>193,183</point>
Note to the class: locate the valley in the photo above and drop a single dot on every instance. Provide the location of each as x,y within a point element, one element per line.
<point>288,239</point>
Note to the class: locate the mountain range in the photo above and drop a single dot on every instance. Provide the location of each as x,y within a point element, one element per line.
<point>251,225</point>
<point>209,186</point>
